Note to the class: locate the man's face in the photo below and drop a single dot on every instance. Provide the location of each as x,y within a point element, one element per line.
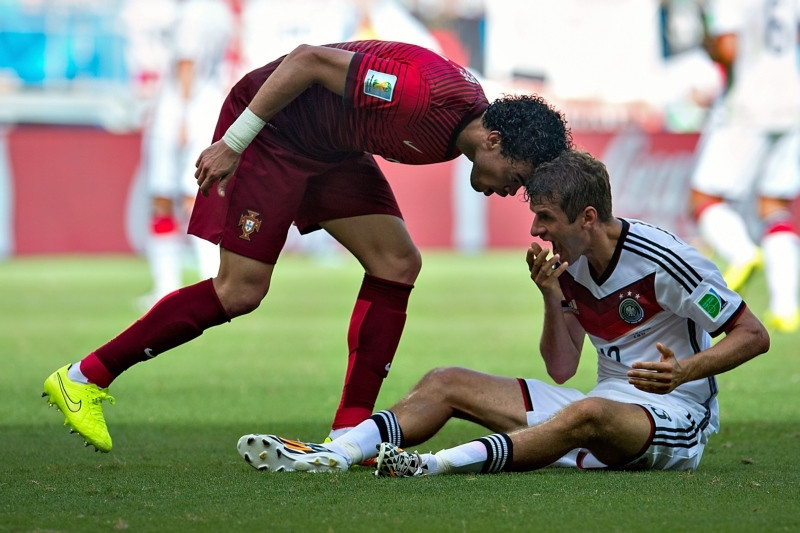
<point>493,173</point>
<point>550,224</point>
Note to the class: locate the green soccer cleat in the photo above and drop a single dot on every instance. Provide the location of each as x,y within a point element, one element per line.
<point>81,407</point>
<point>276,454</point>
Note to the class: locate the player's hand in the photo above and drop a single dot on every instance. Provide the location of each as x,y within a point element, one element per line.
<point>544,271</point>
<point>217,163</point>
<point>662,377</point>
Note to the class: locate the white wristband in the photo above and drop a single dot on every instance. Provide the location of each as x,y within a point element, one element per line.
<point>243,130</point>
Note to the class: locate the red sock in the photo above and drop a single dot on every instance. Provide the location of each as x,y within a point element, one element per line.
<point>375,329</point>
<point>177,318</point>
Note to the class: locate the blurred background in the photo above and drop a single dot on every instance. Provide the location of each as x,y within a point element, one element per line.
<point>81,81</point>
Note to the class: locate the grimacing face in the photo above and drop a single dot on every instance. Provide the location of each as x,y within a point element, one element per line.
<point>551,224</point>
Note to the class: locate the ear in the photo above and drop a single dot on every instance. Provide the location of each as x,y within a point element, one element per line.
<point>589,216</point>
<point>493,139</point>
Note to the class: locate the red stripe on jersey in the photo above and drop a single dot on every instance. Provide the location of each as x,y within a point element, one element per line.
<point>616,314</point>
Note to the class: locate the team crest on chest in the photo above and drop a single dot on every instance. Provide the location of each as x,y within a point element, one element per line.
<point>249,223</point>
<point>629,309</point>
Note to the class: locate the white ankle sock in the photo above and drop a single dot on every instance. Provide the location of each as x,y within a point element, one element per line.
<point>781,264</point>
<point>725,231</point>
<point>468,457</point>
<point>359,443</point>
<point>74,374</point>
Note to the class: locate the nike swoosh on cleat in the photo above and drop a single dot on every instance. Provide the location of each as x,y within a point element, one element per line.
<point>149,353</point>
<point>69,401</point>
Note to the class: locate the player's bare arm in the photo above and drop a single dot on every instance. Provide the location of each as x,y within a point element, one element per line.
<point>562,336</point>
<point>304,66</point>
<point>744,340</point>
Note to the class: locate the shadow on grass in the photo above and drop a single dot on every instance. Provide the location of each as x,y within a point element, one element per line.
<point>163,478</point>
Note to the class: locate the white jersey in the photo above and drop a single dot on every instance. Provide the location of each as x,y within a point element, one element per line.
<point>200,33</point>
<point>766,75</point>
<point>657,288</point>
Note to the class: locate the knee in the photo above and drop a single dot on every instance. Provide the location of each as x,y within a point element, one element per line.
<point>699,202</point>
<point>403,267</point>
<point>442,381</point>
<point>586,417</point>
<point>240,297</point>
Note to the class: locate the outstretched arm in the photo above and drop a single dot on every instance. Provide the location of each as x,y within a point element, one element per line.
<point>304,66</point>
<point>745,339</point>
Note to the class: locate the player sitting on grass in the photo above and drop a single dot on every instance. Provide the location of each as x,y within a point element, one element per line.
<point>648,302</point>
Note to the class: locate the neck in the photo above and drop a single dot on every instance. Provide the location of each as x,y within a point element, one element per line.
<point>468,139</point>
<point>604,244</point>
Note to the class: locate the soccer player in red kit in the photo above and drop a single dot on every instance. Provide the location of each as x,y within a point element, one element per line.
<point>294,144</point>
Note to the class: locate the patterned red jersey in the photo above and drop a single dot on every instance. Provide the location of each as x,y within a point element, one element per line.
<point>402,102</point>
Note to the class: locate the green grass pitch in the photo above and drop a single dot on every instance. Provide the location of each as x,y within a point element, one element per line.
<point>174,466</point>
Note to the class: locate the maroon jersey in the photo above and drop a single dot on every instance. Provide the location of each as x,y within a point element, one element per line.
<point>401,102</point>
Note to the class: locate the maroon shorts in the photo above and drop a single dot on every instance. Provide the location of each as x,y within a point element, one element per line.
<point>274,187</point>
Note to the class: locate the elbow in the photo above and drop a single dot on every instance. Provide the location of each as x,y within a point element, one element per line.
<point>301,52</point>
<point>560,375</point>
<point>763,342</point>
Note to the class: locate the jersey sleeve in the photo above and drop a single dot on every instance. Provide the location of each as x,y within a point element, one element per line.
<point>378,83</point>
<point>700,294</point>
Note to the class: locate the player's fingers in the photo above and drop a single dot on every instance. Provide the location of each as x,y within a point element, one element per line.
<point>222,184</point>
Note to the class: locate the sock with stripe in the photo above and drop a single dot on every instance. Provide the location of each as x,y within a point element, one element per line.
<point>487,455</point>
<point>376,325</point>
<point>362,441</point>
<point>176,319</point>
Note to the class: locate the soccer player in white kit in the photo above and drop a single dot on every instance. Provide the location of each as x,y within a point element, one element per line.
<point>648,302</point>
<point>752,145</point>
<point>182,125</point>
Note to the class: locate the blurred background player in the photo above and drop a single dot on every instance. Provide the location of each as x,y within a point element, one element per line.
<point>181,124</point>
<point>752,143</point>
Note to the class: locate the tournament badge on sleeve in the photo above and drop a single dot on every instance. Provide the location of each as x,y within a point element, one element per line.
<point>380,85</point>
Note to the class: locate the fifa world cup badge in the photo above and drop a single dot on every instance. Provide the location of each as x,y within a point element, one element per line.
<point>380,85</point>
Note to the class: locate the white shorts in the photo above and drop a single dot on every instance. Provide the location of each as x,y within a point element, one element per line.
<point>676,440</point>
<point>734,162</point>
<point>169,165</point>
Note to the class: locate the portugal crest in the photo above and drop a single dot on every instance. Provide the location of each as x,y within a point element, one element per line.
<point>249,223</point>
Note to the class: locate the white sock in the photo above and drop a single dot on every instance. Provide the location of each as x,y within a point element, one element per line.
<point>207,255</point>
<point>164,256</point>
<point>781,264</point>
<point>336,433</point>
<point>468,457</point>
<point>359,443</point>
<point>725,230</point>
<point>74,374</point>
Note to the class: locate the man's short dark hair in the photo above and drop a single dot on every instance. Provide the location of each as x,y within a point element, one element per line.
<point>574,180</point>
<point>530,129</point>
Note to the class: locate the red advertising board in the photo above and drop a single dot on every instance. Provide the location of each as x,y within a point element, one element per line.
<point>74,190</point>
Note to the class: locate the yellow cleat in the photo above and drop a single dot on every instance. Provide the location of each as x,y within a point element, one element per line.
<point>81,405</point>
<point>737,275</point>
<point>782,323</point>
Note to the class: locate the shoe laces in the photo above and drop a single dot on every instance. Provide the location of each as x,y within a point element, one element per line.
<point>408,464</point>
<point>401,463</point>
<point>96,395</point>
